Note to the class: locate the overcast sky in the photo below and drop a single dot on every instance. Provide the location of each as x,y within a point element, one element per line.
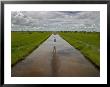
<point>55,20</point>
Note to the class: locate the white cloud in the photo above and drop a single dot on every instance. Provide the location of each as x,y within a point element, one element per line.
<point>55,20</point>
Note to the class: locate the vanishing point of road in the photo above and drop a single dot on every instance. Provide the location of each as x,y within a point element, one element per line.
<point>55,59</point>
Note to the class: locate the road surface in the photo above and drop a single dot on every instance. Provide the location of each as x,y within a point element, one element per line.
<point>55,59</point>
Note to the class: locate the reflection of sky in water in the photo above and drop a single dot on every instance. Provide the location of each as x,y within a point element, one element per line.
<point>55,21</point>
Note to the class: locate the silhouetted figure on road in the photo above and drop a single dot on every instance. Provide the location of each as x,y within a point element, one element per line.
<point>54,47</point>
<point>54,39</point>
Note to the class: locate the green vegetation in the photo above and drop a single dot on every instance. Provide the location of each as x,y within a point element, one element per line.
<point>87,42</point>
<point>22,43</point>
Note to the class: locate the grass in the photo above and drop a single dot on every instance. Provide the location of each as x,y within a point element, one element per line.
<point>87,42</point>
<point>22,43</point>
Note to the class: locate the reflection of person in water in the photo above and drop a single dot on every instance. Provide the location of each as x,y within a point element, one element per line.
<point>54,50</point>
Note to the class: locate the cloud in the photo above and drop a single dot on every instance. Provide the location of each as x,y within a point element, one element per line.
<point>55,20</point>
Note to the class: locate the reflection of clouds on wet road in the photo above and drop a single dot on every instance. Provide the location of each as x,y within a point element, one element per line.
<point>55,59</point>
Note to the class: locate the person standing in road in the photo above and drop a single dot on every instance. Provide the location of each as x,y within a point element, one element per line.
<point>54,39</point>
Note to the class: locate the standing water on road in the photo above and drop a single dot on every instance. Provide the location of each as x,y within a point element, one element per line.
<point>55,57</point>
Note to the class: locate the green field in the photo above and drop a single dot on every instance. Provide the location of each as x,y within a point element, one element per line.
<point>87,42</point>
<point>22,43</point>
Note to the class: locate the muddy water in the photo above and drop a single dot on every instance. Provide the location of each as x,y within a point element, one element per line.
<point>55,59</point>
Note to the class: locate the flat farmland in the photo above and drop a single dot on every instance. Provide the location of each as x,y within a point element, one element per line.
<point>23,43</point>
<point>87,42</point>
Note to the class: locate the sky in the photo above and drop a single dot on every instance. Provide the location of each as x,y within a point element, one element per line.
<point>55,21</point>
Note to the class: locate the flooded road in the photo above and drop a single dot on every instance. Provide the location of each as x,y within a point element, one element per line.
<point>55,59</point>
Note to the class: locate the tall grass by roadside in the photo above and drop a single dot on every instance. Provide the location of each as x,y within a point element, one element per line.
<point>87,42</point>
<point>22,43</point>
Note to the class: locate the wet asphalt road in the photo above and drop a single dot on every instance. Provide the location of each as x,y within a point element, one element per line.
<point>55,59</point>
